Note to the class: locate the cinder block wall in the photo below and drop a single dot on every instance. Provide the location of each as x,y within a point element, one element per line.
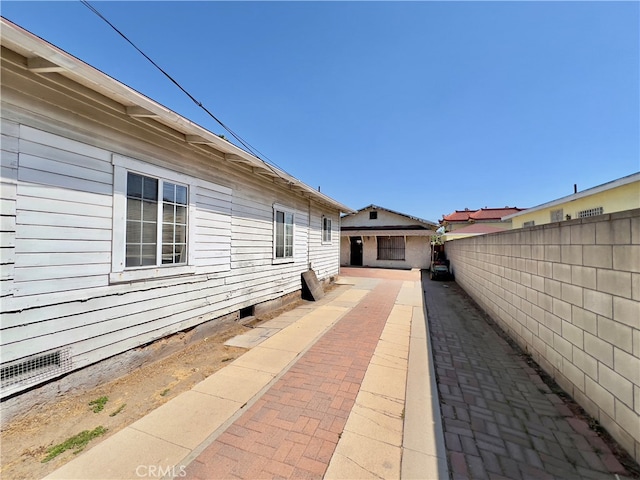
<point>569,294</point>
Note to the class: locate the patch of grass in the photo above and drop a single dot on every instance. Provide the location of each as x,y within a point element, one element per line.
<point>118,410</point>
<point>77,442</point>
<point>165,392</point>
<point>98,404</point>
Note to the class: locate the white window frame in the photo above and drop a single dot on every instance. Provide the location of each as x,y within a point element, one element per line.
<point>285,210</point>
<point>119,273</point>
<point>325,231</point>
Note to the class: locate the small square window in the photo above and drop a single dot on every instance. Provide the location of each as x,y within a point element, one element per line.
<point>373,215</point>
<point>556,215</point>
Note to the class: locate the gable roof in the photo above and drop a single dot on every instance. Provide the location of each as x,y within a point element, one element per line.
<point>376,207</point>
<point>43,57</point>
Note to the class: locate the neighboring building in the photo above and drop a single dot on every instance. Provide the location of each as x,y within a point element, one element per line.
<point>124,222</point>
<point>615,196</point>
<point>489,217</point>
<point>471,230</point>
<point>378,237</point>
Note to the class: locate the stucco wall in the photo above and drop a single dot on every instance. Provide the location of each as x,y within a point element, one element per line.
<point>618,199</point>
<point>417,253</point>
<point>569,294</point>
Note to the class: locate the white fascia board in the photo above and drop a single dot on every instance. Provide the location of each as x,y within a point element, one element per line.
<point>387,233</point>
<point>27,44</point>
<point>635,177</point>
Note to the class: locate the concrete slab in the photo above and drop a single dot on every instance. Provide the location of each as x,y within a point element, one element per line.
<point>410,294</point>
<point>188,419</point>
<point>266,360</point>
<point>395,338</point>
<point>386,360</point>
<point>357,456</point>
<point>376,424</point>
<point>351,297</point>
<point>252,338</point>
<point>235,383</point>
<point>424,449</point>
<point>420,466</point>
<point>392,350</point>
<point>115,459</point>
<point>393,406</point>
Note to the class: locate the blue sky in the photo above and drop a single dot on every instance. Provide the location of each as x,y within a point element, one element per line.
<point>419,107</point>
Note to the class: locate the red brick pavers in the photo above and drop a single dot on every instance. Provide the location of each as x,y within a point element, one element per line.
<point>293,429</point>
<point>500,420</point>
<point>388,274</point>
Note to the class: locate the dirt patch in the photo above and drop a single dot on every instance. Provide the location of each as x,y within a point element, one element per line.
<point>26,440</point>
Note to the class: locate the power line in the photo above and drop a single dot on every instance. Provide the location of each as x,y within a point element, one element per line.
<point>251,150</point>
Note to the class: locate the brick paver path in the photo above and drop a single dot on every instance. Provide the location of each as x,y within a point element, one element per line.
<point>501,421</point>
<point>293,429</point>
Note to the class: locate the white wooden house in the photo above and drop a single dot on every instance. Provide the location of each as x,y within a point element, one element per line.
<point>124,222</point>
<point>378,237</point>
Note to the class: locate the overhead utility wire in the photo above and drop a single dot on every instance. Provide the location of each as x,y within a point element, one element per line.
<point>199,104</point>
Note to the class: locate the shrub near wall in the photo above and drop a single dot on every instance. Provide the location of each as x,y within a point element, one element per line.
<point>569,294</point>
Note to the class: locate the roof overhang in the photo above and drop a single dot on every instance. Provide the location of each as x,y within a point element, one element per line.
<point>635,177</point>
<point>43,57</point>
<point>387,233</point>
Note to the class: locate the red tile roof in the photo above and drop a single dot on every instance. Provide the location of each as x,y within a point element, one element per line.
<point>494,214</point>
<point>458,216</point>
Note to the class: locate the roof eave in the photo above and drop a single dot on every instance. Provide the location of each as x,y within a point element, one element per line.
<point>45,57</point>
<point>634,177</point>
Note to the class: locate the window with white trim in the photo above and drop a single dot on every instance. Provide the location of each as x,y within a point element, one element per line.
<point>326,230</point>
<point>153,227</point>
<point>156,229</point>
<point>283,229</point>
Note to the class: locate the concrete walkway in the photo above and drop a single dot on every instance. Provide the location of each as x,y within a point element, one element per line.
<point>337,389</point>
<point>348,388</point>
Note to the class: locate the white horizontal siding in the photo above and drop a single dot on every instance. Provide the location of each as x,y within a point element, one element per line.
<point>53,178</point>
<point>324,256</point>
<point>62,197</point>
<point>8,194</point>
<point>212,228</point>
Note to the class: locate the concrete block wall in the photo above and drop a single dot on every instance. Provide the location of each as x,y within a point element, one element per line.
<point>569,294</point>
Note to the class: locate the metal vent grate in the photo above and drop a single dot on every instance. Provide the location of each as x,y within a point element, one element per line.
<point>36,368</point>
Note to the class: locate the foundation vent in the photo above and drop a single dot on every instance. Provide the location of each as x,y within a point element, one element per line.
<point>35,369</point>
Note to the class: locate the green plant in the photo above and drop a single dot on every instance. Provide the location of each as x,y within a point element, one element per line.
<point>165,392</point>
<point>77,442</point>
<point>98,404</point>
